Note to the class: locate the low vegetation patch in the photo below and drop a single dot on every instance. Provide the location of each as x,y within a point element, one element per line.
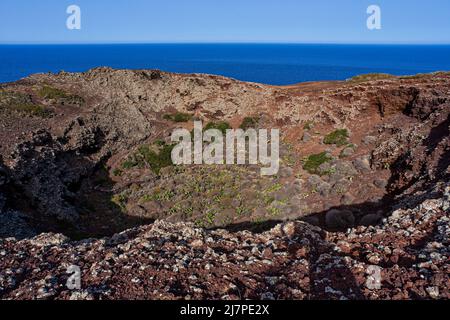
<point>120,200</point>
<point>178,117</point>
<point>338,137</point>
<point>249,122</point>
<point>154,157</point>
<point>117,172</point>
<point>32,109</point>
<point>424,75</point>
<point>23,104</point>
<point>308,125</point>
<point>158,195</point>
<point>48,92</point>
<point>371,77</point>
<point>51,93</point>
<point>221,125</point>
<point>312,162</point>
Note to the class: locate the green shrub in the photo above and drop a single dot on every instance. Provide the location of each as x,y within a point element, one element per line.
<point>274,211</point>
<point>210,216</point>
<point>22,103</point>
<point>178,117</point>
<point>221,125</point>
<point>120,200</point>
<point>338,137</point>
<point>130,163</point>
<point>160,160</point>
<point>312,163</point>
<point>48,92</point>
<point>308,125</point>
<point>147,156</point>
<point>146,198</point>
<point>117,172</point>
<point>32,109</point>
<point>249,122</point>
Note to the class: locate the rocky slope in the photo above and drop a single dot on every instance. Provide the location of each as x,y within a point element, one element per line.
<point>364,182</point>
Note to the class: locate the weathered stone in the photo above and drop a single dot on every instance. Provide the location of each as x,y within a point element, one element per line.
<point>286,172</point>
<point>380,183</point>
<point>306,137</point>
<point>370,219</point>
<point>314,181</point>
<point>324,189</point>
<point>339,219</point>
<point>347,152</point>
<point>368,140</point>
<point>362,164</point>
<point>347,199</point>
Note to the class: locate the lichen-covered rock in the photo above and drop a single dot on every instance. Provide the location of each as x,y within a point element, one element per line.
<point>139,263</point>
<point>380,183</point>
<point>347,152</point>
<point>362,164</point>
<point>368,140</point>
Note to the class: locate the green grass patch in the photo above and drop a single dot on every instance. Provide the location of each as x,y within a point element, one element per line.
<point>249,122</point>
<point>120,200</point>
<point>32,109</point>
<point>160,143</point>
<point>155,157</point>
<point>274,188</point>
<point>51,93</point>
<point>242,211</point>
<point>210,216</point>
<point>308,125</point>
<point>164,195</point>
<point>221,125</point>
<point>48,92</point>
<point>22,103</point>
<point>159,160</point>
<point>338,137</point>
<point>117,172</point>
<point>312,163</point>
<point>147,198</point>
<point>273,211</point>
<point>328,172</point>
<point>178,117</point>
<point>130,163</point>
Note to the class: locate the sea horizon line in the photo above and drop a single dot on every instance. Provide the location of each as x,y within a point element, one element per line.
<point>224,43</point>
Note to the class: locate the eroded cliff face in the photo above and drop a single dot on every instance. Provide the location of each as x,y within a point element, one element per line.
<point>363,181</point>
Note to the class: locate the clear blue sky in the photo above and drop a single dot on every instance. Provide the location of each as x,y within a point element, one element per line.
<point>310,21</point>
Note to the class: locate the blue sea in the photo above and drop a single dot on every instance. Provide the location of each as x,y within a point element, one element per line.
<point>277,64</point>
